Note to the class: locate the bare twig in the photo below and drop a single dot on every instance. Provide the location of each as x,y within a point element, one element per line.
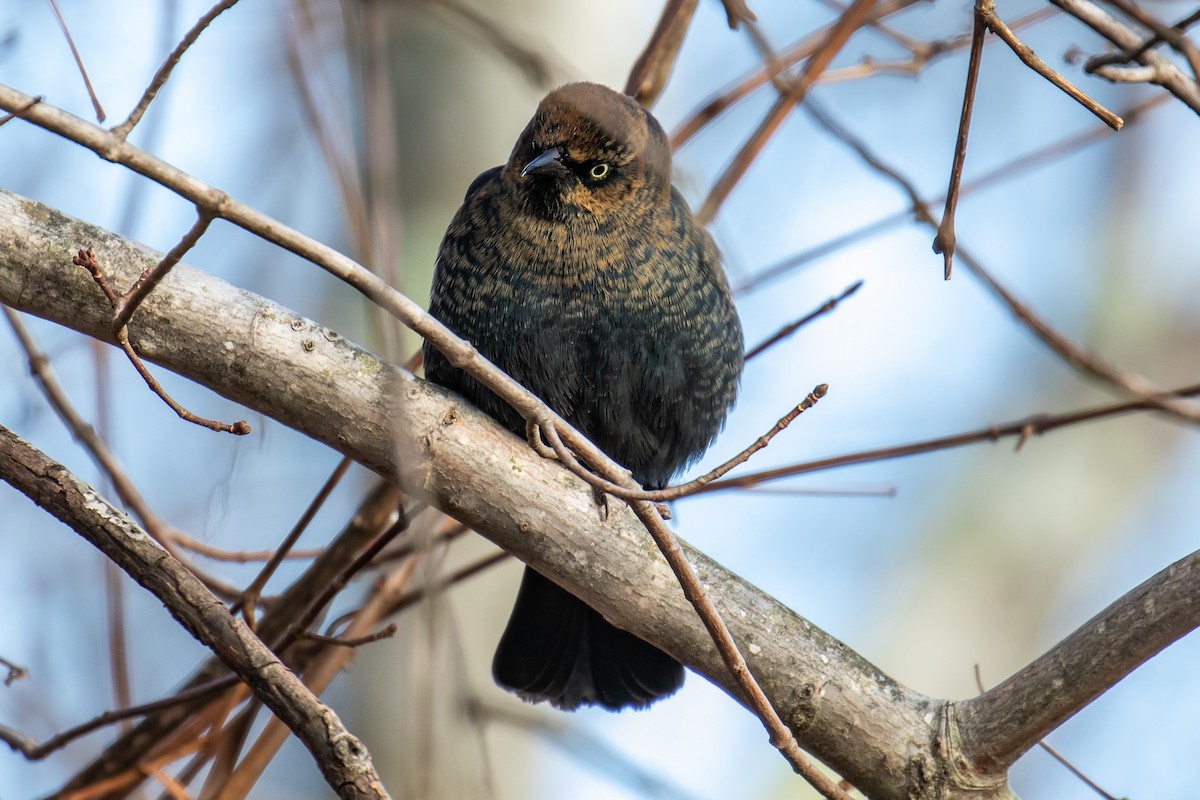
<point>787,330</point>
<point>1172,35</point>
<point>649,75</point>
<point>1083,359</point>
<point>851,20</point>
<point>128,302</point>
<point>254,590</point>
<point>62,23</point>
<point>97,448</point>
<point>625,492</point>
<point>1165,73</point>
<point>164,72</point>
<point>411,598</point>
<point>33,751</point>
<point>15,672</point>
<point>1021,429</point>
<point>944,241</point>
<point>317,677</point>
<point>353,641</point>
<point>16,112</point>
<point>1007,171</point>
<point>736,11</point>
<point>987,10</point>
<point>87,260</point>
<point>769,72</point>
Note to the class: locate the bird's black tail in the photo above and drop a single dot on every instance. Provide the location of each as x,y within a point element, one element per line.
<point>558,648</point>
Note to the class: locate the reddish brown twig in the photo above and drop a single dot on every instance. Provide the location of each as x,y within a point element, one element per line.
<point>787,330</point>
<point>353,641</point>
<point>164,72</point>
<point>414,596</point>
<point>850,21</point>
<point>736,11</point>
<point>564,454</point>
<point>62,23</point>
<point>1007,171</point>
<point>764,74</point>
<point>1022,430</point>
<point>986,9</point>
<point>944,241</point>
<point>125,306</point>
<point>33,751</point>
<point>250,596</point>
<point>15,672</point>
<point>97,448</point>
<point>652,68</point>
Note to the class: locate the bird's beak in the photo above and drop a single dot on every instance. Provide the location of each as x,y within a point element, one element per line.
<point>548,163</point>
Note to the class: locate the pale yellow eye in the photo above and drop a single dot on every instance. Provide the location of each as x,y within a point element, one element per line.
<point>599,171</point>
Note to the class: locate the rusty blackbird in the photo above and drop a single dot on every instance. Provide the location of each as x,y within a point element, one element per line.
<point>579,270</point>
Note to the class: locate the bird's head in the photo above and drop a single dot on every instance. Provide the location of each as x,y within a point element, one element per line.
<point>592,150</point>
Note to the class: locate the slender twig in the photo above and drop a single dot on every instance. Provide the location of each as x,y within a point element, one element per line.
<point>767,72</point>
<point>415,596</point>
<point>240,556</point>
<point>1166,73</point>
<point>15,672</point>
<point>623,491</point>
<point>250,596</point>
<point>164,72</point>
<point>62,23</point>
<point>87,260</point>
<point>1021,429</point>
<point>302,623</point>
<point>1079,357</point>
<point>851,20</point>
<point>97,448</point>
<point>1007,171</point>
<point>649,75</point>
<point>987,10</point>
<point>787,330</point>
<point>354,641</point>
<point>33,751</point>
<point>736,11</point>
<point>944,241</point>
<point>145,283</point>
<point>780,735</point>
<point>317,676</point>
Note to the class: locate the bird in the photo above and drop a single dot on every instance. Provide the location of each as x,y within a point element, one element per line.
<point>578,269</point>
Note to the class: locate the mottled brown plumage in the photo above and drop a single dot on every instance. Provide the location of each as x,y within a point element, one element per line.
<point>580,271</point>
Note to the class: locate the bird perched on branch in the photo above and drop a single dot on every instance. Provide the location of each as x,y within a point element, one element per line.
<point>579,270</point>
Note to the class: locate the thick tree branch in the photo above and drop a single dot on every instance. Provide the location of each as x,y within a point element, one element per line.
<point>842,709</point>
<point>888,741</point>
<point>1001,724</point>
<point>341,758</point>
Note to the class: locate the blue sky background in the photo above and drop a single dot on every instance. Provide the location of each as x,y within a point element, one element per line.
<point>983,556</point>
